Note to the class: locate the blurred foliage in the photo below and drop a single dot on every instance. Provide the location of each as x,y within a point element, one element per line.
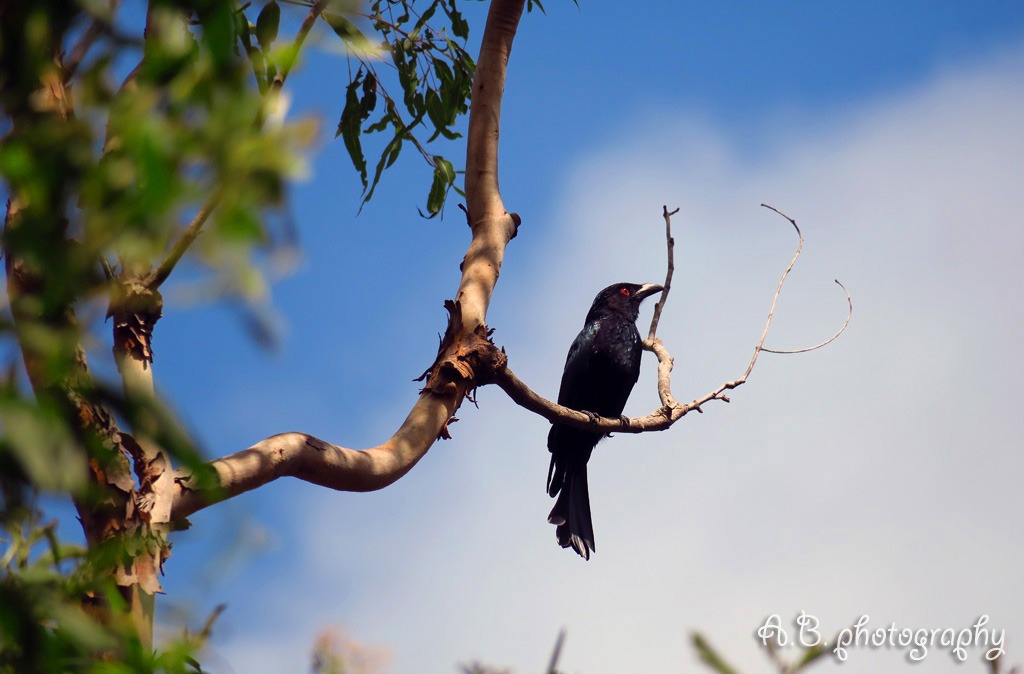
<point>336,652</point>
<point>47,624</point>
<point>477,667</point>
<point>130,134</point>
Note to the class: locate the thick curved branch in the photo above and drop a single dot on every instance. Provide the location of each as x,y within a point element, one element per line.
<point>492,226</point>
<point>314,460</point>
<point>482,194</point>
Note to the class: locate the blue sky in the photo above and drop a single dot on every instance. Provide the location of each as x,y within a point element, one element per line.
<point>879,476</point>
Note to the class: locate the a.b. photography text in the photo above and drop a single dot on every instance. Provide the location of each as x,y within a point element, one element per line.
<point>917,642</point>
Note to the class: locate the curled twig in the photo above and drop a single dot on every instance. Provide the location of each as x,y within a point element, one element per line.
<point>849,315</point>
<point>775,298</point>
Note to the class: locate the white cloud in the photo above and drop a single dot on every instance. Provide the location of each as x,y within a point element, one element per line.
<point>880,475</point>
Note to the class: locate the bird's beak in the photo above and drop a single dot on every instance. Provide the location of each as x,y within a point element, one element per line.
<point>647,289</point>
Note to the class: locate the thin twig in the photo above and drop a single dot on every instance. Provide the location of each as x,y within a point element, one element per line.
<point>773,655</point>
<point>670,411</point>
<point>670,244</point>
<point>96,28</point>
<point>849,315</point>
<point>556,653</point>
<point>161,273</point>
<point>204,634</point>
<point>775,299</point>
<point>300,37</point>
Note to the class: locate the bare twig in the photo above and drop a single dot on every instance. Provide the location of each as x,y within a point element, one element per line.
<point>775,299</point>
<point>108,271</point>
<point>773,655</point>
<point>315,10</point>
<point>670,245</point>
<point>96,28</point>
<point>204,634</point>
<point>160,274</point>
<point>77,54</point>
<point>556,653</point>
<point>670,411</point>
<point>849,315</point>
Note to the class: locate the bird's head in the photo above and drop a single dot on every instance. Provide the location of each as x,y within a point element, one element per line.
<point>622,298</point>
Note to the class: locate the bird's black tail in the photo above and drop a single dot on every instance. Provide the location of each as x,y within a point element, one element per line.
<point>571,514</point>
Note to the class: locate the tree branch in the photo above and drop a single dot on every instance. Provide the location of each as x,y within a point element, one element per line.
<point>670,245</point>
<point>452,375</point>
<point>670,411</point>
<point>775,298</point>
<point>162,272</point>
<point>317,461</point>
<point>842,328</point>
<point>490,223</point>
<point>315,10</point>
<point>78,52</point>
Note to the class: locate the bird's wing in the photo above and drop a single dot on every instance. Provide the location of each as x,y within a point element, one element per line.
<point>577,366</point>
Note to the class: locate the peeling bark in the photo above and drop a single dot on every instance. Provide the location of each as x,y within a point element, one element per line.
<point>115,516</point>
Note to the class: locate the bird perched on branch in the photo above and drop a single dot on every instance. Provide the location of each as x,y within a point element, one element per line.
<point>600,370</point>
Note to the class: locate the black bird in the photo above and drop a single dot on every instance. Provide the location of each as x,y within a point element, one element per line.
<point>600,370</point>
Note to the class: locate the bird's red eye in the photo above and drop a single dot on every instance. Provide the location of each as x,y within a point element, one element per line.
<point>625,292</point>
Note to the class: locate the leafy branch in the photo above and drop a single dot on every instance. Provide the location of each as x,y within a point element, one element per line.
<point>434,73</point>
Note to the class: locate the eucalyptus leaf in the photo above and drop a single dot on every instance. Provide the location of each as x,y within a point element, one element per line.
<point>267,24</point>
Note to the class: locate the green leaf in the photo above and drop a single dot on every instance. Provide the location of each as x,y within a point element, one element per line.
<point>344,28</point>
<point>267,23</point>
<point>426,16</point>
<point>387,158</point>
<point>435,198</point>
<point>41,443</point>
<point>393,150</point>
<point>369,100</point>
<point>810,655</point>
<point>381,124</point>
<point>443,72</point>
<point>444,176</point>
<point>60,552</point>
<point>441,117</point>
<point>407,76</point>
<point>242,29</point>
<point>460,27</point>
<point>709,657</point>
<point>352,117</point>
<point>445,167</point>
<point>240,224</point>
<point>219,33</point>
